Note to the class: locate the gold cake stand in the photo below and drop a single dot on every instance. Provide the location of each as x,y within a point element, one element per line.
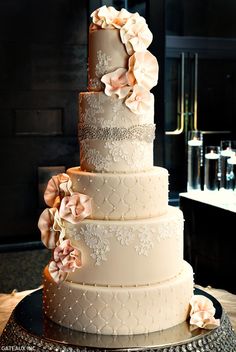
<point>29,330</point>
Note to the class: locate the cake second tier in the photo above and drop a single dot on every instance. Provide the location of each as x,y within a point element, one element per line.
<point>123,196</point>
<point>126,253</point>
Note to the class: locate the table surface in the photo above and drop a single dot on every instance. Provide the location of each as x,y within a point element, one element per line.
<point>222,199</point>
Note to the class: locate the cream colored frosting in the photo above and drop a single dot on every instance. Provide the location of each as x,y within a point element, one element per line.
<point>131,277</point>
<point>117,310</point>
<point>106,54</point>
<point>123,196</point>
<point>132,153</point>
<point>126,253</point>
<point>101,110</point>
<point>116,156</point>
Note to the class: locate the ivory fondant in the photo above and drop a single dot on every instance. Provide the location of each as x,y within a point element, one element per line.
<point>132,279</point>
<point>106,54</point>
<point>117,310</point>
<point>126,253</point>
<point>100,110</point>
<point>123,196</point>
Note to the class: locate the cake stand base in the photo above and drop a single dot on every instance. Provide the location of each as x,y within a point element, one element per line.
<point>29,330</point>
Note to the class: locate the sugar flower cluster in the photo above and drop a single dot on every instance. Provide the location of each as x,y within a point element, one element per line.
<point>135,82</point>
<point>202,313</point>
<point>65,205</point>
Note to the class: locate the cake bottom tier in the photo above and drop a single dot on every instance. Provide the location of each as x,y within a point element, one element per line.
<point>119,310</point>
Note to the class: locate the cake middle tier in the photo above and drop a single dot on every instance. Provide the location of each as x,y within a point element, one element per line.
<point>123,196</point>
<point>112,137</point>
<point>126,253</point>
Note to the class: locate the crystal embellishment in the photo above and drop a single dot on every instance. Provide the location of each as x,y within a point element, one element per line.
<point>141,133</point>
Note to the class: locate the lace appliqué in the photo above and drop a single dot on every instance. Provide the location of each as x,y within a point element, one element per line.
<point>102,67</point>
<point>96,108</point>
<point>94,157</point>
<point>96,238</point>
<point>143,238</point>
<point>115,152</point>
<point>103,64</point>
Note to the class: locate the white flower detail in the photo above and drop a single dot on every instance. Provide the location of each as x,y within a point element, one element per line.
<point>125,237</point>
<point>96,238</point>
<point>146,241</point>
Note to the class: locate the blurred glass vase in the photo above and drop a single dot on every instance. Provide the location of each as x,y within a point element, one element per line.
<point>194,160</point>
<point>211,169</point>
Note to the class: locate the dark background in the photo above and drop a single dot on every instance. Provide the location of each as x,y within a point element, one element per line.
<point>43,66</point>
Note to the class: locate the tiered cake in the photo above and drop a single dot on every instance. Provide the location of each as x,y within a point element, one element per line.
<point>117,265</point>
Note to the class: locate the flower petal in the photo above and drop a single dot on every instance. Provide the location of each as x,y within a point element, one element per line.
<point>56,274</point>
<point>140,101</point>
<point>49,235</point>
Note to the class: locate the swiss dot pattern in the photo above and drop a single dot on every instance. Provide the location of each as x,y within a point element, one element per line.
<point>123,196</point>
<point>117,310</point>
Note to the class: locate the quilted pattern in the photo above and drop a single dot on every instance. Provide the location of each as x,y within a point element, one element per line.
<point>123,196</point>
<point>119,310</point>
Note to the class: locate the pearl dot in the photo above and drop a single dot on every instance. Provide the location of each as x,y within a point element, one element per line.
<point>76,301</point>
<point>59,304</point>
<point>91,304</point>
<point>70,291</point>
<point>70,308</point>
<point>98,190</point>
<point>90,181</point>
<point>90,321</point>
<point>76,318</point>
<point>83,311</point>
<point>83,293</point>
<point>64,298</point>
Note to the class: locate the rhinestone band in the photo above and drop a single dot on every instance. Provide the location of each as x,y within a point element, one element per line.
<point>222,339</point>
<point>144,132</point>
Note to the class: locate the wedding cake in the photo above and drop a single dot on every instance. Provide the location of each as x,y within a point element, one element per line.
<point>117,266</point>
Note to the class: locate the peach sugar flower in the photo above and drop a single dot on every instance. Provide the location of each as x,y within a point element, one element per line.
<point>66,259</point>
<point>140,100</point>
<point>58,186</point>
<point>116,83</point>
<point>75,208</point>
<point>50,231</point>
<point>109,17</point>
<point>143,70</point>
<point>202,313</point>
<point>135,34</point>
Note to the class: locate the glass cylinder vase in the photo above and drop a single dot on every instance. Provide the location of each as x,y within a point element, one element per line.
<point>211,168</point>
<point>194,160</point>
<point>225,153</point>
<point>231,172</point>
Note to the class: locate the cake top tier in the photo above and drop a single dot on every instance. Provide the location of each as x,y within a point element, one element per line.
<point>119,62</point>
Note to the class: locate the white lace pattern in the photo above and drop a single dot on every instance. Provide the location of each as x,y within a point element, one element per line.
<point>143,238</point>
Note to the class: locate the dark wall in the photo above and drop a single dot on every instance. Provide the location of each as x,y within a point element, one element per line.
<point>43,66</point>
